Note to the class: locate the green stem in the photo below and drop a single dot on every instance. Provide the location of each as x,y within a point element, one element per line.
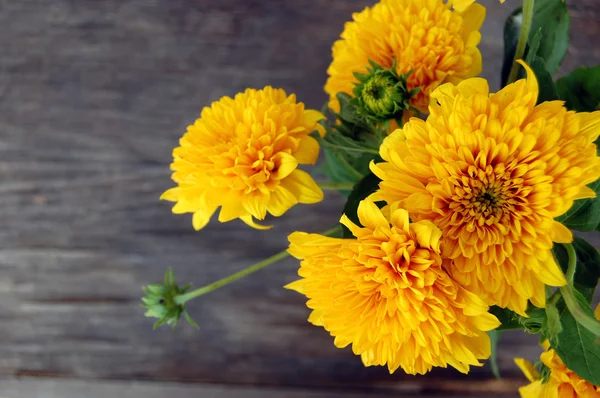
<point>523,36</point>
<point>571,265</point>
<point>184,298</point>
<point>582,317</point>
<point>332,186</point>
<point>345,148</point>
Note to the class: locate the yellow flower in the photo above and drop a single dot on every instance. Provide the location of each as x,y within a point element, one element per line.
<point>425,36</point>
<point>563,382</point>
<point>242,155</point>
<point>461,5</point>
<point>386,293</point>
<point>492,171</point>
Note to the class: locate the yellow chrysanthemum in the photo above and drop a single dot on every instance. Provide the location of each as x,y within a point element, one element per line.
<point>461,5</point>
<point>424,36</point>
<point>242,155</point>
<point>492,171</point>
<point>563,382</point>
<point>387,294</point>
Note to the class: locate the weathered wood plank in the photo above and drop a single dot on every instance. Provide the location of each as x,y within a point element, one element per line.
<point>68,388</point>
<point>93,96</point>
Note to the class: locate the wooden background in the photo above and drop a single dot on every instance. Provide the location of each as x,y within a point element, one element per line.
<point>93,97</point>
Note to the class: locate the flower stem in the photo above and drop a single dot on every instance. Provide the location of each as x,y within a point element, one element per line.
<point>184,298</point>
<point>333,186</point>
<point>571,265</point>
<point>523,36</point>
<point>349,149</point>
<point>582,318</point>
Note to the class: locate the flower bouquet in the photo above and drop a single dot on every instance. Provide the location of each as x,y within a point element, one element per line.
<point>460,202</point>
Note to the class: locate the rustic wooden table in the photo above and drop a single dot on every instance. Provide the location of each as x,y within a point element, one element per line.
<point>93,97</point>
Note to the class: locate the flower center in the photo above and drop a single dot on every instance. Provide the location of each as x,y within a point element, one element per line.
<point>485,197</point>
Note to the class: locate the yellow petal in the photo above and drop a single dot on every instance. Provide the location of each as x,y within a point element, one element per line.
<point>560,234</point>
<point>589,125</point>
<point>311,117</point>
<point>296,285</point>
<point>303,187</point>
<point>370,216</point>
<point>250,222</point>
<point>532,83</point>
<point>172,195</point>
<point>231,209</point>
<point>461,5</point>
<point>286,165</point>
<point>534,390</point>
<point>202,217</point>
<point>597,312</point>
<point>585,193</point>
<point>473,16</point>
<point>256,204</point>
<point>308,151</point>
<point>316,317</point>
<point>486,322</point>
<point>355,229</point>
<point>550,273</point>
<point>527,369</point>
<point>428,235</point>
<point>399,218</point>
<point>475,85</point>
<point>281,201</point>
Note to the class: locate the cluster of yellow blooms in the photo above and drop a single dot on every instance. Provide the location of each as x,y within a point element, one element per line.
<point>470,194</point>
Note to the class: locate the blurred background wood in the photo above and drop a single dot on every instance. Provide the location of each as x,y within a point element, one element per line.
<point>93,97</point>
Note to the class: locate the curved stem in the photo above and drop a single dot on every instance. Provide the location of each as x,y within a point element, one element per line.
<point>332,186</point>
<point>570,274</point>
<point>582,318</point>
<point>523,36</point>
<point>184,298</point>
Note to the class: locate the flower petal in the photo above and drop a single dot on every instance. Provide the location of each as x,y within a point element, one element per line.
<point>527,368</point>
<point>308,151</point>
<point>303,187</point>
<point>281,201</point>
<point>560,234</point>
<point>202,217</point>
<point>370,216</point>
<point>311,117</point>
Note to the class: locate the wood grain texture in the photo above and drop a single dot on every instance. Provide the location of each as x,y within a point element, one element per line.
<point>93,97</point>
<point>68,388</point>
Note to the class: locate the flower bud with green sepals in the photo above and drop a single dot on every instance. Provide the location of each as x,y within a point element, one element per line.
<point>161,302</point>
<point>381,94</point>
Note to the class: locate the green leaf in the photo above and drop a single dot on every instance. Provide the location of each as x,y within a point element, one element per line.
<point>494,338</point>
<point>338,169</point>
<point>584,215</point>
<point>551,22</point>
<point>368,185</point>
<point>508,319</point>
<point>581,89</point>
<point>547,88</point>
<point>578,347</point>
<point>553,325</point>
<point>512,27</point>
<point>587,270</point>
<point>551,17</point>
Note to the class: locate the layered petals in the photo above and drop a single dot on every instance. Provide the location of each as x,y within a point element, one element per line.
<point>424,36</point>
<point>242,156</point>
<point>387,294</point>
<point>493,171</point>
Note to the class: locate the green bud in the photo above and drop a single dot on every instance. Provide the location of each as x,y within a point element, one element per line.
<point>535,322</point>
<point>161,302</point>
<point>381,94</point>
